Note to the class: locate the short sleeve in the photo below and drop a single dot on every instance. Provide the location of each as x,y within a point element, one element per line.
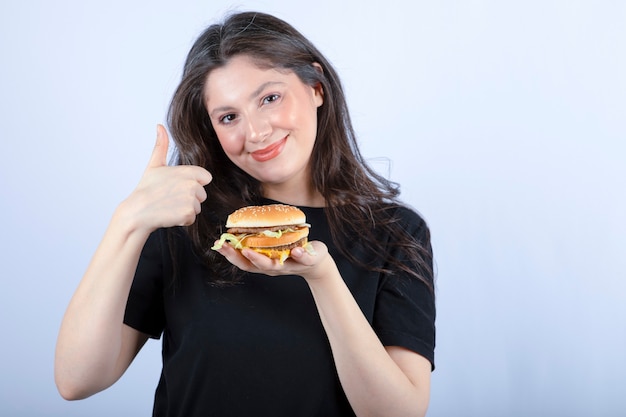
<point>404,314</point>
<point>144,308</point>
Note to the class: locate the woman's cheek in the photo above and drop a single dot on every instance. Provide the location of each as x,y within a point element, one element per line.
<point>231,144</point>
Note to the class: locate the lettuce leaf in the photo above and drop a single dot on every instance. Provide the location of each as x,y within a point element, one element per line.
<point>310,249</point>
<point>234,240</point>
<point>276,234</point>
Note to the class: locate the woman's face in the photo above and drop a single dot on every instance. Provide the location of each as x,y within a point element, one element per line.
<point>265,120</point>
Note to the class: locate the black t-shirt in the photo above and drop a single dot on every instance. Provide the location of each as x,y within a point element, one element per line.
<point>258,347</point>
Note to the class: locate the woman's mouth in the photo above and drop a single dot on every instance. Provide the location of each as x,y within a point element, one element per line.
<point>269,152</point>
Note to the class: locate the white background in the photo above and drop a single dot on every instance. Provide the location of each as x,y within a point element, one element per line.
<point>505,123</point>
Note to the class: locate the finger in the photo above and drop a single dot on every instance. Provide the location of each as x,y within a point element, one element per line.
<point>297,253</point>
<point>264,264</point>
<point>234,256</point>
<point>197,207</point>
<point>201,194</point>
<point>309,257</point>
<point>199,174</point>
<point>203,176</point>
<point>159,153</point>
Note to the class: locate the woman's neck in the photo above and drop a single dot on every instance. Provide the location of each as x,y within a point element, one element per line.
<point>300,196</point>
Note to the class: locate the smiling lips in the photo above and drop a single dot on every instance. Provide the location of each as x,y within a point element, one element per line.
<point>269,152</point>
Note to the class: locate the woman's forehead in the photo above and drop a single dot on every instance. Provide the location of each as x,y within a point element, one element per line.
<point>243,75</point>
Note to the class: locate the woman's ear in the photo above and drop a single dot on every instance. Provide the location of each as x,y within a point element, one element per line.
<point>318,89</point>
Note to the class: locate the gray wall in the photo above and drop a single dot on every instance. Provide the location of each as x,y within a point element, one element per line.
<point>505,123</point>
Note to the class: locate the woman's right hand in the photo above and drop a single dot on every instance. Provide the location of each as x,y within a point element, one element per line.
<point>166,196</point>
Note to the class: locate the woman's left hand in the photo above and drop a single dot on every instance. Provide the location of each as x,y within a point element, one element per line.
<point>301,262</point>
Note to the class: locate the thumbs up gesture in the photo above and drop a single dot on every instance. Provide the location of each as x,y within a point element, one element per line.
<point>167,196</point>
<point>159,154</point>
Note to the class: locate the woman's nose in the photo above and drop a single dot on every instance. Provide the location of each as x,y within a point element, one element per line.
<point>259,129</point>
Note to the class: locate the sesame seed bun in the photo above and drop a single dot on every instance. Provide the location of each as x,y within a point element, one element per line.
<point>266,216</point>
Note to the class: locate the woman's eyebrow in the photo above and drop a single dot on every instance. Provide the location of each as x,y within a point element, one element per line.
<point>263,87</point>
<point>217,110</point>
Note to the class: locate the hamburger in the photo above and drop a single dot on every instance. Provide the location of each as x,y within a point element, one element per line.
<point>272,230</point>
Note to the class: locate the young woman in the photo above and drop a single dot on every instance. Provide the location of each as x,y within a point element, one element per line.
<point>259,117</point>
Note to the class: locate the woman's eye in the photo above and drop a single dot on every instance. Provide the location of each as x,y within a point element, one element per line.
<point>271,98</point>
<point>226,119</point>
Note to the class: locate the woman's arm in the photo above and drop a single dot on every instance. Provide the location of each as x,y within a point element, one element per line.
<point>378,380</point>
<point>94,347</point>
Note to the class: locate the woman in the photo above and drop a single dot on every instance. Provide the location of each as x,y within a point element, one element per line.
<point>259,117</point>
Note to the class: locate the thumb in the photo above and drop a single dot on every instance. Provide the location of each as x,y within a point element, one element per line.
<point>159,154</point>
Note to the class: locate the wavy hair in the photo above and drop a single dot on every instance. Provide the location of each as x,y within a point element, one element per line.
<point>357,198</point>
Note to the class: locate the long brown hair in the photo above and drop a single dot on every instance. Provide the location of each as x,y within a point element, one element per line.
<point>358,200</point>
